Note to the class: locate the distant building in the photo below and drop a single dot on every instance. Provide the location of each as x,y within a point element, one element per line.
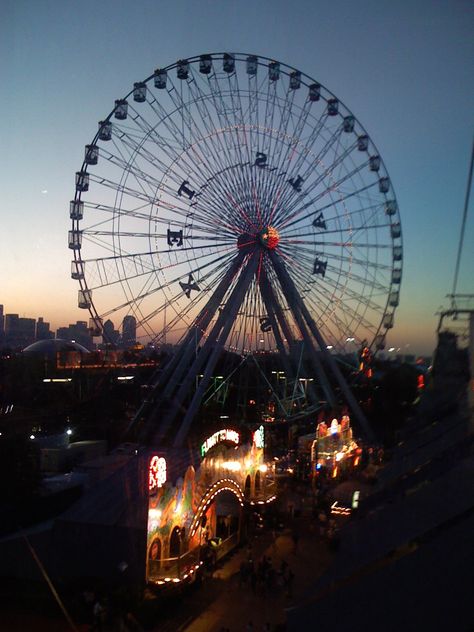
<point>42,330</point>
<point>110,335</point>
<point>19,332</point>
<point>79,332</point>
<point>2,325</point>
<point>129,331</point>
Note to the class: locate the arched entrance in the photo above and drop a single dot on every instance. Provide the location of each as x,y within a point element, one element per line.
<point>247,487</point>
<point>257,482</point>
<point>154,557</point>
<point>175,542</point>
<point>227,513</point>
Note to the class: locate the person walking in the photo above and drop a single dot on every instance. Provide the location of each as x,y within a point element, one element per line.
<point>295,536</point>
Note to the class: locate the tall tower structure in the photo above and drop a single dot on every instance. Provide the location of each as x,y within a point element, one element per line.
<point>129,331</point>
<point>2,326</point>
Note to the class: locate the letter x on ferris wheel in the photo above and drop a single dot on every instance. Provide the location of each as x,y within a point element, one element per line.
<point>229,200</point>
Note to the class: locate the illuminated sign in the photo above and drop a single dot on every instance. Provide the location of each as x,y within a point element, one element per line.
<point>217,437</point>
<point>156,473</point>
<point>259,437</point>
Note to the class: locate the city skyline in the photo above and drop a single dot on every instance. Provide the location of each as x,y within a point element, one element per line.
<point>404,71</point>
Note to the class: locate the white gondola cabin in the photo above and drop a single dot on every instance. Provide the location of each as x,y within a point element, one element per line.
<point>396,276</point>
<point>374,163</point>
<point>228,63</point>
<point>252,64</point>
<point>348,124</point>
<point>84,299</point>
<point>379,342</point>
<point>273,70</point>
<point>397,253</point>
<point>160,77</point>
<point>95,326</point>
<point>76,209</point>
<point>396,230</point>
<point>77,270</point>
<point>391,207</point>
<point>388,321</point>
<point>363,142</point>
<point>384,185</point>
<point>82,181</point>
<point>295,80</point>
<point>182,69</point>
<point>105,130</point>
<point>314,92</point>
<point>394,299</point>
<point>205,64</point>
<point>121,109</point>
<point>139,92</point>
<point>75,239</point>
<point>91,154</point>
<point>333,107</point>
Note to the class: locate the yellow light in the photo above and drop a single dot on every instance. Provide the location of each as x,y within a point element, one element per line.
<point>233,466</point>
<point>155,514</point>
<point>263,468</point>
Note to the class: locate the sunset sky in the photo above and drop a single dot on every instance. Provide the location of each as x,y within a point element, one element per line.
<point>405,69</point>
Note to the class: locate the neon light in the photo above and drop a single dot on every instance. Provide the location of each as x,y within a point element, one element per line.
<point>221,435</point>
<point>156,473</point>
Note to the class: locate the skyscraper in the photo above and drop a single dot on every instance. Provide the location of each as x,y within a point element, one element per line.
<point>2,326</point>
<point>42,330</point>
<point>129,331</point>
<point>110,334</point>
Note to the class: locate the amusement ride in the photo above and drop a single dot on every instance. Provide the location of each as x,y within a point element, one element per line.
<point>230,201</point>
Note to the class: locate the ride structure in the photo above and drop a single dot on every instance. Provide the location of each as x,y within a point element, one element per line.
<point>231,202</point>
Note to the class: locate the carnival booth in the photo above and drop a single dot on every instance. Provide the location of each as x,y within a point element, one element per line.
<point>334,450</point>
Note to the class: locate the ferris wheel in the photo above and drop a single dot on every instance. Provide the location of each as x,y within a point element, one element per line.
<point>222,155</point>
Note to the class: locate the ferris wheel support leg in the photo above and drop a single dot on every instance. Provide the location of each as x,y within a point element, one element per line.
<point>294,301</point>
<point>350,399</point>
<point>176,403</point>
<point>226,319</point>
<point>273,308</point>
<point>182,357</point>
<point>297,301</point>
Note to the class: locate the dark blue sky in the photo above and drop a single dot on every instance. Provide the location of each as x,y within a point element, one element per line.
<point>404,68</point>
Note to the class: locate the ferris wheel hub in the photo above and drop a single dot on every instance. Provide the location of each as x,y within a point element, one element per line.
<point>269,237</point>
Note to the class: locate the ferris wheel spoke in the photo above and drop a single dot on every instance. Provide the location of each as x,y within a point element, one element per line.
<point>297,176</point>
<point>287,157</point>
<point>330,277</point>
<point>334,185</point>
<point>137,265</point>
<point>188,166</point>
<point>307,250</point>
<point>210,142</point>
<point>232,146</point>
<point>146,294</point>
<point>298,173</point>
<point>299,216</point>
<point>346,309</point>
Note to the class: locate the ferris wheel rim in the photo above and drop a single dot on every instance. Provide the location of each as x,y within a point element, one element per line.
<point>286,70</point>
